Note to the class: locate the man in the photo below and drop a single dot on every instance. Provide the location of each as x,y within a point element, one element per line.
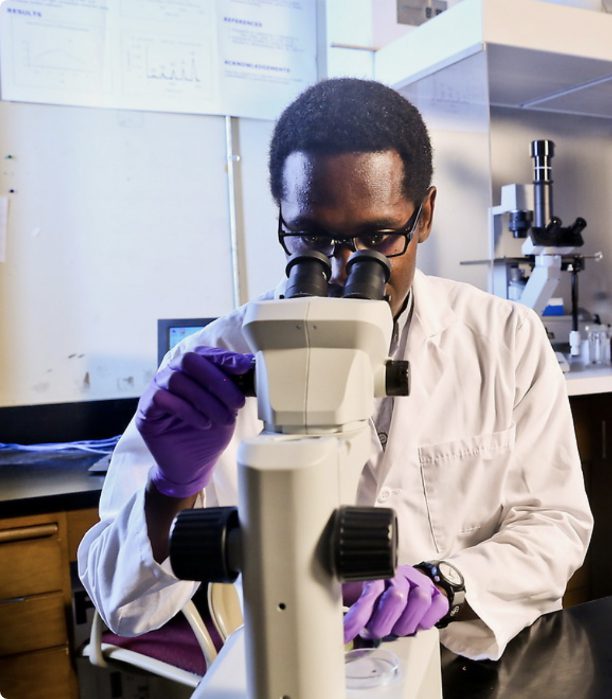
<point>479,462</point>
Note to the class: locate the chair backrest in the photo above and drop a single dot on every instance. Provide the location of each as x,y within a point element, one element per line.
<point>225,608</point>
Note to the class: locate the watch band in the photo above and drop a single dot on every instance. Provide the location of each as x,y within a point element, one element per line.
<point>451,581</point>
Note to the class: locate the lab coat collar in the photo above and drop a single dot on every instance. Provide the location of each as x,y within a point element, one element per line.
<point>432,312</point>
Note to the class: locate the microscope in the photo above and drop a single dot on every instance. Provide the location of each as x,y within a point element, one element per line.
<point>548,247</point>
<point>297,534</point>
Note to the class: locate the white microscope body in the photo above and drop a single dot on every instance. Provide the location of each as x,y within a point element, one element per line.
<point>319,364</point>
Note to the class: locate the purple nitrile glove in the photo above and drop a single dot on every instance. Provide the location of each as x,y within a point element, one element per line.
<point>407,603</point>
<point>187,416</point>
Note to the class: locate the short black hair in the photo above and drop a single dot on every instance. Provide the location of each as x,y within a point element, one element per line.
<point>348,115</point>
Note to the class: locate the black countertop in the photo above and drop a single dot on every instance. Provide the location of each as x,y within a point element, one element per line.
<point>38,482</point>
<point>566,654</point>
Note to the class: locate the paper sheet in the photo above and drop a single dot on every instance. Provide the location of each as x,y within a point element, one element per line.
<point>194,56</point>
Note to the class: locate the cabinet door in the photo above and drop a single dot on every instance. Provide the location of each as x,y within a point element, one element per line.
<point>32,623</point>
<point>34,603</point>
<point>45,674</point>
<point>593,422</point>
<point>79,522</point>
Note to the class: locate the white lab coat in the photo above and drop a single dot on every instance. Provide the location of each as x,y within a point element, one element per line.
<point>481,466</point>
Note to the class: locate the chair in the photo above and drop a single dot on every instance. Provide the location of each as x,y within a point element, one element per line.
<point>224,608</point>
<point>181,650</point>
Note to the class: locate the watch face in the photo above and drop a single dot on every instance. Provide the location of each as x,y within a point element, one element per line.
<point>450,573</point>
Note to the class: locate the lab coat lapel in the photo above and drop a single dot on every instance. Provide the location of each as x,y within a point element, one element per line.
<point>432,313</point>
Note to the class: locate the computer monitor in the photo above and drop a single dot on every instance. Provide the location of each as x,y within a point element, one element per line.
<point>170,331</point>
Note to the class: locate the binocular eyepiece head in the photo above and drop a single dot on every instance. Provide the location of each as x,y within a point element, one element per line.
<point>309,273</point>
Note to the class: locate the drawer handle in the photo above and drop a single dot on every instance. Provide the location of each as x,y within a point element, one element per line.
<point>23,533</point>
<point>12,600</point>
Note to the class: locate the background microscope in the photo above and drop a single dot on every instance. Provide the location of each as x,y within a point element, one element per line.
<point>548,248</point>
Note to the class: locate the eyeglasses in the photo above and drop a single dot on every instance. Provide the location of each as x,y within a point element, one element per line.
<point>387,241</point>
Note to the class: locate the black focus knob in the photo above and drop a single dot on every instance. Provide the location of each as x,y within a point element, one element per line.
<point>203,544</point>
<point>246,382</point>
<point>364,543</point>
<point>397,377</point>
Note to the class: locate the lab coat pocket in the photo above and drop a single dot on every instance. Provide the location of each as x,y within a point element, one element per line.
<point>463,482</point>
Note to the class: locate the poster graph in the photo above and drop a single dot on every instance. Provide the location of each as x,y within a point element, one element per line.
<point>194,56</point>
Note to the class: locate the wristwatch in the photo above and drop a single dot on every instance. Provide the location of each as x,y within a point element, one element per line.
<point>451,581</point>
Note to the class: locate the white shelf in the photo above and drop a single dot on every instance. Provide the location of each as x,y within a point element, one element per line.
<point>540,56</point>
<point>582,381</point>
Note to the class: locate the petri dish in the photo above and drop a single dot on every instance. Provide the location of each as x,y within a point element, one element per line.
<point>371,669</point>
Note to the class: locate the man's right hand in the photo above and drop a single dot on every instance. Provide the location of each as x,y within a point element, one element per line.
<point>187,417</point>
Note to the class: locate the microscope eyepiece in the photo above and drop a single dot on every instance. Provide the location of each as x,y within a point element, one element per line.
<point>308,274</point>
<point>542,148</point>
<point>368,271</point>
<point>542,153</point>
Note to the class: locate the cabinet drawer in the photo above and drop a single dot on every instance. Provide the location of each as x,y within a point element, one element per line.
<point>32,623</point>
<point>30,566</point>
<point>41,675</point>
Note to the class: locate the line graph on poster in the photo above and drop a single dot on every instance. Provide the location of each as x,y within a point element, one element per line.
<point>72,56</point>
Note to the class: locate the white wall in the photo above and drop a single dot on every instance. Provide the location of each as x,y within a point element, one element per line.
<point>355,29</point>
<point>265,260</point>
<point>117,219</point>
<point>455,107</point>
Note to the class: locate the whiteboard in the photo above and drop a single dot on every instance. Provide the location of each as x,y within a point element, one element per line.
<point>191,56</point>
<point>116,218</point>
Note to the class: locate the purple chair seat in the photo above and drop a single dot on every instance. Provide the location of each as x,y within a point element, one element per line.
<point>175,644</point>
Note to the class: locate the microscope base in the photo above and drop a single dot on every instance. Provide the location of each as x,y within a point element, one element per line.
<point>420,656</point>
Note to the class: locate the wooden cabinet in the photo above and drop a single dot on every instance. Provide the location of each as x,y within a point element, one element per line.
<point>593,423</point>
<point>42,674</point>
<point>35,591</point>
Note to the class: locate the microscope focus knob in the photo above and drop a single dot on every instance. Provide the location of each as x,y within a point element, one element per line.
<point>364,543</point>
<point>397,377</point>
<point>205,543</point>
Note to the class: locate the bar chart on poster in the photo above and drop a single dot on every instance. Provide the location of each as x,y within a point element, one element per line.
<point>191,56</point>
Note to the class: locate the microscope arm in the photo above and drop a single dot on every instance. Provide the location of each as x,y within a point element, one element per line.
<point>542,282</point>
<point>289,486</point>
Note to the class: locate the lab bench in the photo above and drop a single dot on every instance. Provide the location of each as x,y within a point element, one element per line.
<point>563,654</point>
<point>588,380</point>
<point>47,502</point>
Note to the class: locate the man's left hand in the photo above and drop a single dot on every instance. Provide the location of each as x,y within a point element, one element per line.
<point>407,603</point>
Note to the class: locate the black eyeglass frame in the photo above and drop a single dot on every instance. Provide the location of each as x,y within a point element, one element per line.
<point>406,231</point>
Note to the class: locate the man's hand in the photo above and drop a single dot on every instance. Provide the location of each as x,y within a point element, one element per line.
<point>187,417</point>
<point>407,603</point>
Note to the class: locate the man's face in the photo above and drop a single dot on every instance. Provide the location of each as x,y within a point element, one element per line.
<point>354,193</point>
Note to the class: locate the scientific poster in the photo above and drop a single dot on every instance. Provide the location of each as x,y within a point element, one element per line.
<point>239,57</point>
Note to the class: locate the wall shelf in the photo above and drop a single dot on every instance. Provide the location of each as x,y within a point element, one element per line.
<point>540,56</point>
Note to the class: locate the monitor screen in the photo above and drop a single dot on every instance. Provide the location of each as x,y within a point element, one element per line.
<point>170,331</point>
